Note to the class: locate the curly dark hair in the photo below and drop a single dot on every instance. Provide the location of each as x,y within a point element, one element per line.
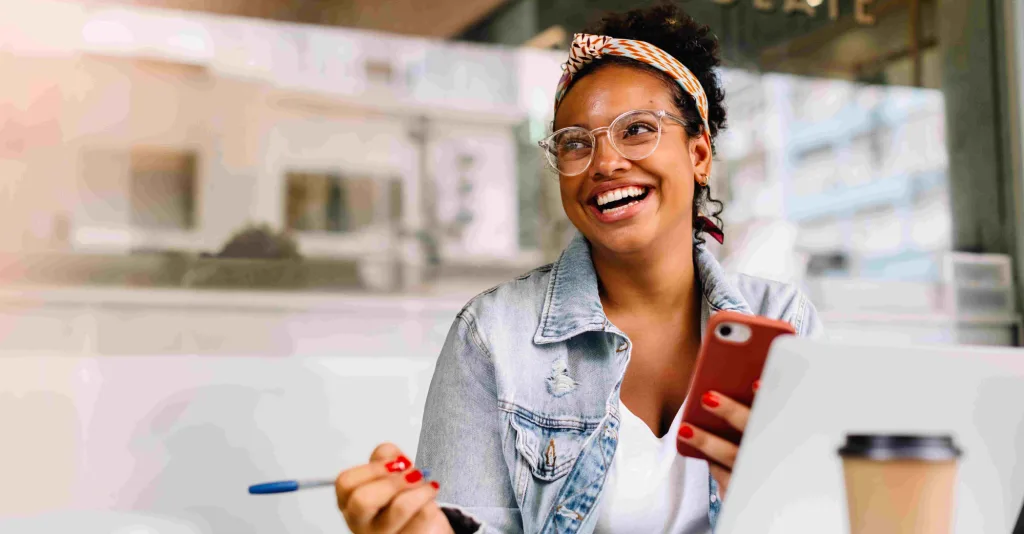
<point>669,28</point>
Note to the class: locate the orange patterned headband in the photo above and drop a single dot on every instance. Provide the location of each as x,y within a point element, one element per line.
<point>586,48</point>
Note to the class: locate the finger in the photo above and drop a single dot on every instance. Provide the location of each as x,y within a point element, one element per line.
<point>404,507</point>
<point>734,413</point>
<point>429,520</point>
<point>369,500</point>
<point>714,447</point>
<point>385,452</point>
<point>350,479</point>
<point>721,475</point>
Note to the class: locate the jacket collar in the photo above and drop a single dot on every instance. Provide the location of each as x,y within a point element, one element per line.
<point>572,304</point>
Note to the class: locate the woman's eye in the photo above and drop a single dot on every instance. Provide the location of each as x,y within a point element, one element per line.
<point>638,128</point>
<point>576,144</point>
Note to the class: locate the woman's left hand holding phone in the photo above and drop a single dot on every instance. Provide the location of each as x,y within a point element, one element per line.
<point>388,495</point>
<point>721,451</point>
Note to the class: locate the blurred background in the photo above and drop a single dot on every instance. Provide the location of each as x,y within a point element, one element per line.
<point>233,234</point>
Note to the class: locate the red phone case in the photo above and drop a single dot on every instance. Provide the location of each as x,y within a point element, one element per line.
<point>729,368</point>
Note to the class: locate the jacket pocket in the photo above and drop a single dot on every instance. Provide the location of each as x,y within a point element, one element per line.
<point>549,447</point>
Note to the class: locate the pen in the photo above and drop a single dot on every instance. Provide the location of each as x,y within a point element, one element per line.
<point>285,486</point>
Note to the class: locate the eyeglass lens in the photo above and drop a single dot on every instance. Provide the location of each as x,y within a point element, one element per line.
<point>634,135</point>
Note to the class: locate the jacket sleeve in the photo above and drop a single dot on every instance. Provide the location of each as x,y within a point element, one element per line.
<point>461,439</point>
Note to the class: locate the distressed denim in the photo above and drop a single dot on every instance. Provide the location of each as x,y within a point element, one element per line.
<point>522,416</point>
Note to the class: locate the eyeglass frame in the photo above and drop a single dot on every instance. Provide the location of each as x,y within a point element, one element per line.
<point>659,113</point>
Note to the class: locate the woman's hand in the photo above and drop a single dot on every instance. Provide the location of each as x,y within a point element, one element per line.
<point>388,496</point>
<point>720,451</point>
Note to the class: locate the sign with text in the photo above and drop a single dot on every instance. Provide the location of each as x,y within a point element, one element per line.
<point>809,7</point>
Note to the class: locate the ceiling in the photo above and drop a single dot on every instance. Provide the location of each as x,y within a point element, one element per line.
<point>429,18</point>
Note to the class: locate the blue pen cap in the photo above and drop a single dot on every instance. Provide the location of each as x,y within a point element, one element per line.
<point>274,487</point>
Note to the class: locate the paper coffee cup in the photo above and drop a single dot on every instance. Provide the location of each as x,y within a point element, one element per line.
<point>900,484</point>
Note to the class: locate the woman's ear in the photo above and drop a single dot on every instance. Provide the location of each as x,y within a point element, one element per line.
<point>700,154</point>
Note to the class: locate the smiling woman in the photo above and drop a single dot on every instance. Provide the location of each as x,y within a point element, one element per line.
<point>665,164</point>
<point>557,399</point>
<point>635,135</point>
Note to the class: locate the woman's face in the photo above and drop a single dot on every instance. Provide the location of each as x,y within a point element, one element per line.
<point>664,216</point>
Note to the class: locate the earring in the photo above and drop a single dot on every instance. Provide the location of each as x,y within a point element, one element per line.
<point>703,179</point>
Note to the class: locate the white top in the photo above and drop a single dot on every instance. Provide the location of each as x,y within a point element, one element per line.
<point>652,488</point>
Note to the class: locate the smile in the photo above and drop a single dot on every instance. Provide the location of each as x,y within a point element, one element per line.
<point>618,204</point>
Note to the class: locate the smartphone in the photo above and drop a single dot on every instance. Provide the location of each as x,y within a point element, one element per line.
<point>731,358</point>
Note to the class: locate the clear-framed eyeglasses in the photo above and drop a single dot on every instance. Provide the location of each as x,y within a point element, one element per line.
<point>634,134</point>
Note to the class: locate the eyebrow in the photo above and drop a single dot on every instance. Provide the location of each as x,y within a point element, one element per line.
<point>576,125</point>
<point>652,105</point>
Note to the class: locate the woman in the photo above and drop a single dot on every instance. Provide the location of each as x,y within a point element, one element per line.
<point>556,401</point>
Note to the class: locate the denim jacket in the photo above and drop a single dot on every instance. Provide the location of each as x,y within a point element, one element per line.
<point>522,416</point>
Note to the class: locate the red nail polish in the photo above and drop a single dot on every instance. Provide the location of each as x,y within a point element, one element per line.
<point>710,400</point>
<point>685,432</point>
<point>757,385</point>
<point>435,484</point>
<point>400,464</point>
<point>414,476</point>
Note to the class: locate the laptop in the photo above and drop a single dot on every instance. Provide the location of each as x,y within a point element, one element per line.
<point>788,478</point>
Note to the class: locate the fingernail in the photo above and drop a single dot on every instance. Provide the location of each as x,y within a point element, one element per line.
<point>710,400</point>
<point>685,432</point>
<point>414,476</point>
<point>400,464</point>
<point>435,484</point>
<point>757,385</point>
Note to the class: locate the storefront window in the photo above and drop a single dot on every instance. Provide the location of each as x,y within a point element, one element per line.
<point>854,167</point>
<point>329,202</point>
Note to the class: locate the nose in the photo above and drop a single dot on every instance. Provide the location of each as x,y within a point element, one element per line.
<point>607,161</point>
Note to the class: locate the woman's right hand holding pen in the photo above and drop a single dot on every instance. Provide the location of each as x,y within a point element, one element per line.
<point>389,496</point>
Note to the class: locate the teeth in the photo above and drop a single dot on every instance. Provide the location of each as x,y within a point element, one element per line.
<point>619,194</point>
<point>620,208</point>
